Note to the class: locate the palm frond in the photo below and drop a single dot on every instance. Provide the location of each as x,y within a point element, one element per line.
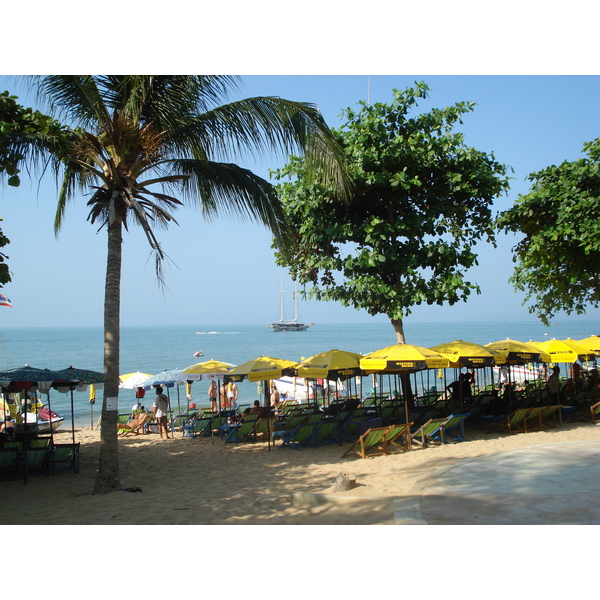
<point>76,98</point>
<point>223,188</point>
<point>263,125</point>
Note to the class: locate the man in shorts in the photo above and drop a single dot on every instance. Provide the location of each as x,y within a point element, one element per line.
<point>160,409</point>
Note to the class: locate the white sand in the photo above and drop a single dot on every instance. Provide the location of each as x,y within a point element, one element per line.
<point>203,481</point>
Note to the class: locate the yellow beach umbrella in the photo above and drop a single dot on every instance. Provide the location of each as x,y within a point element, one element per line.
<point>130,381</point>
<point>333,364</point>
<point>563,351</point>
<point>467,354</point>
<point>263,368</point>
<point>515,352</point>
<point>209,369</point>
<point>402,358</point>
<point>592,343</point>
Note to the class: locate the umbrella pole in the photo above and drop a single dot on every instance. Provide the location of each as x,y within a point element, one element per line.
<point>266,390</point>
<point>72,415</point>
<point>50,415</point>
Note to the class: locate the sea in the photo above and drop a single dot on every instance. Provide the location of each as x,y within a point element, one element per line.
<point>154,349</point>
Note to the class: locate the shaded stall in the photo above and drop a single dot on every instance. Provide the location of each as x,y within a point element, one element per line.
<point>462,354</point>
<point>207,370</point>
<point>31,379</point>
<point>333,365</point>
<point>401,360</point>
<point>84,378</point>
<point>265,369</point>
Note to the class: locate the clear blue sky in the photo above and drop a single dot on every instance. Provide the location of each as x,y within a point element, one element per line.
<point>224,272</point>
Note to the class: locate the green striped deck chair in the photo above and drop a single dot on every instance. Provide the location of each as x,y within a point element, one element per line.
<point>393,434</point>
<point>431,431</point>
<point>263,427</point>
<point>515,422</point>
<point>302,435</point>
<point>315,418</point>
<point>197,427</point>
<point>66,456</point>
<point>595,412</point>
<point>326,432</point>
<point>37,459</point>
<point>123,418</point>
<point>370,443</point>
<point>454,428</point>
<point>533,418</point>
<point>10,463</point>
<point>242,432</point>
<point>553,412</point>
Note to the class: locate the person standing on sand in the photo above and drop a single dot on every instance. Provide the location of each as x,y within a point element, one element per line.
<point>160,410</point>
<point>212,394</point>
<point>232,394</point>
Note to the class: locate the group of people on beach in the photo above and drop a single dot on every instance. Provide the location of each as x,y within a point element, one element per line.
<point>228,393</point>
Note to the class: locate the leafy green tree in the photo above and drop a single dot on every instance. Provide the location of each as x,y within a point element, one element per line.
<point>421,201</point>
<point>558,259</point>
<point>23,131</point>
<point>137,140</point>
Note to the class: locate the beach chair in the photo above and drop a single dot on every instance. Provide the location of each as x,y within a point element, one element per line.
<point>133,427</point>
<point>516,421</point>
<point>326,432</point>
<point>10,463</point>
<point>369,443</point>
<point>432,431</point>
<point>454,428</point>
<point>394,433</point>
<point>420,416</point>
<point>66,455</point>
<point>533,418</point>
<point>595,412</point>
<point>302,435</point>
<point>37,459</point>
<point>239,433</point>
<point>264,427</point>
<point>293,420</point>
<point>197,427</point>
<point>179,421</point>
<point>39,442</point>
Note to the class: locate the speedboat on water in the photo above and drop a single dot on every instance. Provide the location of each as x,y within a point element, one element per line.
<point>47,420</point>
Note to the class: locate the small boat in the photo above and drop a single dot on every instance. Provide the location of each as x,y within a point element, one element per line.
<point>293,324</point>
<point>301,389</point>
<point>199,353</point>
<point>47,420</point>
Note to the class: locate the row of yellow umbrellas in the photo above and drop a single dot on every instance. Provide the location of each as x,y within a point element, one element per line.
<point>340,364</point>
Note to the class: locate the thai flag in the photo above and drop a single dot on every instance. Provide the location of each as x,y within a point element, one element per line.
<point>4,301</point>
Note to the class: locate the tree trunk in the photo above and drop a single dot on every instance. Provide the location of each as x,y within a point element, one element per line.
<point>407,392</point>
<point>108,477</point>
<point>398,326</point>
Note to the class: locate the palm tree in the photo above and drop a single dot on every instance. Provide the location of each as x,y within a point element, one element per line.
<point>136,140</point>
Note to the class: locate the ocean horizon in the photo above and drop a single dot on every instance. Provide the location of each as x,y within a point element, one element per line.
<point>152,349</point>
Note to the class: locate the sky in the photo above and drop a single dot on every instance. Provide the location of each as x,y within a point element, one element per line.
<point>224,272</point>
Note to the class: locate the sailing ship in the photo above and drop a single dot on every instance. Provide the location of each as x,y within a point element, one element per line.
<point>293,324</point>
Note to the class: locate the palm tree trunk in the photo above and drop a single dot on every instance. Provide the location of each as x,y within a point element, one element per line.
<point>108,477</point>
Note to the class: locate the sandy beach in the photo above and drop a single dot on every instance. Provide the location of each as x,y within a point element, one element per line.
<point>202,481</point>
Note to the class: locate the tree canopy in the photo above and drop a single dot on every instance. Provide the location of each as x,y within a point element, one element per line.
<point>420,202</point>
<point>558,259</point>
<point>21,131</point>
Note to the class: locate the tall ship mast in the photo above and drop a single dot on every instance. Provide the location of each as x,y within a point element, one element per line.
<point>294,324</point>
